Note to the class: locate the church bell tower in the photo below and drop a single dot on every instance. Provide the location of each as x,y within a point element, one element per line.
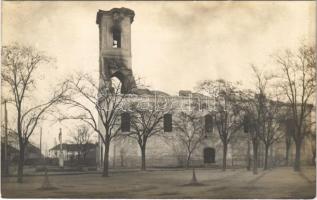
<point>115,48</point>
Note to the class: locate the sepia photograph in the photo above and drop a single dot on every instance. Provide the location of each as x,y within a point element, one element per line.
<point>158,99</point>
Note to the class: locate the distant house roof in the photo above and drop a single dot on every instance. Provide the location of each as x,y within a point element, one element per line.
<point>71,147</point>
<point>11,149</point>
<point>30,148</point>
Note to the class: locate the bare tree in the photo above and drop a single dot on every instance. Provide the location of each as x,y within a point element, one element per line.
<point>228,112</point>
<point>20,65</point>
<point>82,139</point>
<point>270,111</point>
<point>261,116</point>
<point>298,84</point>
<point>272,127</point>
<point>289,131</point>
<point>189,133</point>
<point>99,108</point>
<point>251,124</point>
<point>145,123</point>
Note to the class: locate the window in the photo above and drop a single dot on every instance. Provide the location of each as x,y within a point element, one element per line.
<point>168,124</point>
<point>116,35</point>
<point>125,122</point>
<point>208,123</point>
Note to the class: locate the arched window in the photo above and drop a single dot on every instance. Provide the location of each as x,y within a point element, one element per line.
<point>125,122</point>
<point>116,36</point>
<point>246,123</point>
<point>168,124</point>
<point>208,123</point>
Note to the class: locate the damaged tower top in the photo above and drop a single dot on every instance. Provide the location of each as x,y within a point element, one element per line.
<point>115,48</point>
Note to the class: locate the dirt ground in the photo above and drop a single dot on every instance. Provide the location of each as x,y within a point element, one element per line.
<point>239,183</point>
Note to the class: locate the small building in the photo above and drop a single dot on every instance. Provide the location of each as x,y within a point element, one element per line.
<point>32,154</point>
<point>12,152</point>
<point>74,154</point>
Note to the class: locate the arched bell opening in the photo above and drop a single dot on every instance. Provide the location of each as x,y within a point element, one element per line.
<point>116,36</point>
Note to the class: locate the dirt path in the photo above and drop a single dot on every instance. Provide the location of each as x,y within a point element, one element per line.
<point>276,183</point>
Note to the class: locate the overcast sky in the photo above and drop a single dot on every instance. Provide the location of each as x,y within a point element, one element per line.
<point>174,44</point>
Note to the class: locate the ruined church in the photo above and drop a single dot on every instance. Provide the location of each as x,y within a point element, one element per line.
<point>115,60</point>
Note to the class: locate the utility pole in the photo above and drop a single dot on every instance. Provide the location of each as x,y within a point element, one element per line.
<point>6,138</point>
<point>61,156</point>
<point>46,154</point>
<point>41,144</point>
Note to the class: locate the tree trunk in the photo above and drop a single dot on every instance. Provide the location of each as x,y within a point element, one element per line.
<point>255,157</point>
<point>121,160</point>
<point>21,164</point>
<point>114,157</point>
<point>188,160</point>
<point>249,156</point>
<point>106,160</point>
<point>260,155</point>
<point>287,155</point>
<point>84,157</point>
<point>78,156</point>
<point>22,146</point>
<point>266,155</point>
<point>224,157</point>
<point>143,166</point>
<point>271,156</point>
<point>297,155</point>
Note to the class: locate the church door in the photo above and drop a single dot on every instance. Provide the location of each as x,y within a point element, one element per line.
<point>209,155</point>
